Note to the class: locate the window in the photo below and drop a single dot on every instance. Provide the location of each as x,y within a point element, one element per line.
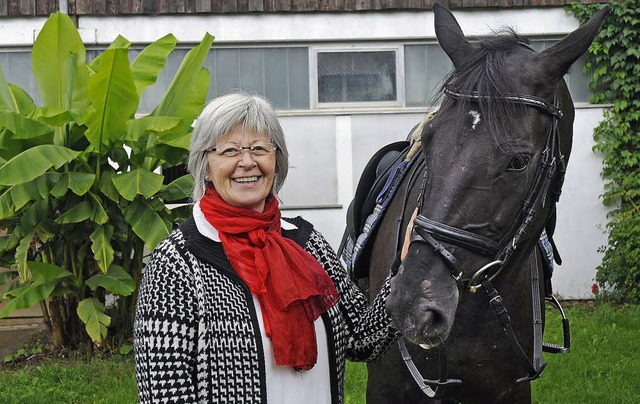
<point>16,66</point>
<point>280,74</point>
<point>357,76</point>
<point>425,67</point>
<point>304,78</point>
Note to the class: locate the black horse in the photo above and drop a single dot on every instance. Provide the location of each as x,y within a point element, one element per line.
<point>468,297</point>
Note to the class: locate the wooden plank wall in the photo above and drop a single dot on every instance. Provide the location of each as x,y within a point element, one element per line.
<point>250,6</point>
<point>13,8</point>
<point>27,7</point>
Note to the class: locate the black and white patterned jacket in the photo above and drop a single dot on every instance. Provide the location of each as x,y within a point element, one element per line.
<point>196,333</point>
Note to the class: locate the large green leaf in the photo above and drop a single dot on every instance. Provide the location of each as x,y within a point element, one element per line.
<point>107,188</point>
<point>26,296</point>
<point>76,214</point>
<point>101,246</point>
<point>148,64</point>
<point>24,101</point>
<point>182,84</point>
<point>43,272</point>
<point>138,182</point>
<point>34,162</point>
<point>91,312</point>
<point>116,281</point>
<point>178,189</point>
<point>6,277</point>
<point>44,280</point>
<point>98,213</point>
<point>7,208</point>
<point>78,182</point>
<point>52,116</point>
<point>146,223</point>
<point>119,43</point>
<point>58,60</point>
<point>114,99</point>
<point>191,106</point>
<point>24,232</point>
<point>17,196</point>
<point>7,100</point>
<point>23,127</point>
<point>139,128</point>
<point>22,255</point>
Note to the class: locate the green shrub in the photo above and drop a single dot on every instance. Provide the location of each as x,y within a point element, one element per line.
<point>614,59</point>
<point>81,199</point>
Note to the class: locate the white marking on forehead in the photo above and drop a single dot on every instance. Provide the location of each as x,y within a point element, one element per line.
<point>476,118</point>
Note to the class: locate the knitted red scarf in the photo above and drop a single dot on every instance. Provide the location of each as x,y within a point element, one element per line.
<point>292,287</point>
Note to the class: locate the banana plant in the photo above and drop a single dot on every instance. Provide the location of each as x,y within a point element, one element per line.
<point>81,198</point>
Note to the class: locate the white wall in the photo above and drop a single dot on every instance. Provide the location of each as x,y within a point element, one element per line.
<point>581,214</point>
<point>582,217</point>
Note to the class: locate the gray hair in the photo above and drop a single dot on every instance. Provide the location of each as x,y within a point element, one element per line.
<point>218,118</point>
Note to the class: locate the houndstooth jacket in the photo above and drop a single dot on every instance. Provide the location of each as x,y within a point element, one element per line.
<point>196,334</point>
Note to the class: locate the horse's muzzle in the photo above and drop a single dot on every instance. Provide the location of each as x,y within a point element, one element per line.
<point>423,315</point>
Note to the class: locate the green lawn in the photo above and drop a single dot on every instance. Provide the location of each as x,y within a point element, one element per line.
<point>603,367</point>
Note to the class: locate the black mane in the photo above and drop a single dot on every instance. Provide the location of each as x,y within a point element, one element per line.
<point>485,73</point>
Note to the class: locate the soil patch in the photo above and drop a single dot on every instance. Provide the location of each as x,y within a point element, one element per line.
<point>16,332</point>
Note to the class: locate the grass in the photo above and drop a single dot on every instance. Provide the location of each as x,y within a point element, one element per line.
<point>604,363</point>
<point>603,367</point>
<point>71,382</point>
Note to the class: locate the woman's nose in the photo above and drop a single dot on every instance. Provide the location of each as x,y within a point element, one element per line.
<point>246,158</point>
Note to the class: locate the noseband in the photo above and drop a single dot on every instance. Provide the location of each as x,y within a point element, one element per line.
<point>435,234</point>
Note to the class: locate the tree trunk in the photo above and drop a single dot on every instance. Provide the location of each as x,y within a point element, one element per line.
<point>56,306</point>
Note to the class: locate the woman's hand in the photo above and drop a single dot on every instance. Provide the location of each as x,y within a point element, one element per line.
<point>407,236</point>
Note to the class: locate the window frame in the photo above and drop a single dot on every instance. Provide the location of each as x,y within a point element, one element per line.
<point>314,50</point>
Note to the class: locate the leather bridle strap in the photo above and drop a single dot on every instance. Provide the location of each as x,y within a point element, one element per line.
<point>459,237</point>
<point>544,176</point>
<point>530,100</point>
<point>425,384</point>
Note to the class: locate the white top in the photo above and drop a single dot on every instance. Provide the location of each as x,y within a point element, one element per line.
<point>284,384</point>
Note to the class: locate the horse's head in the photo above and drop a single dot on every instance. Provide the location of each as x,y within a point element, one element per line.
<point>495,153</point>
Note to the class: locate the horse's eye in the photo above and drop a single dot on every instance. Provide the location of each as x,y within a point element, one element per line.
<point>518,163</point>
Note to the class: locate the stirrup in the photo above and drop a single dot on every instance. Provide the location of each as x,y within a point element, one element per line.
<point>566,332</point>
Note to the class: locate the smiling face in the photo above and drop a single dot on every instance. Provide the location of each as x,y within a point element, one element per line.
<point>244,181</point>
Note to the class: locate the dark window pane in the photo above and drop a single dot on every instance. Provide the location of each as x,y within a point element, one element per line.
<point>298,78</point>
<point>356,76</point>
<point>276,87</point>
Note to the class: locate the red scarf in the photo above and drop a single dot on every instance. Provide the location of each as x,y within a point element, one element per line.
<point>292,287</point>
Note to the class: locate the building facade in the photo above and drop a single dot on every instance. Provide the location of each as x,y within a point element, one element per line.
<point>346,77</point>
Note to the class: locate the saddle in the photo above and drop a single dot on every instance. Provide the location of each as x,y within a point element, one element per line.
<point>374,191</point>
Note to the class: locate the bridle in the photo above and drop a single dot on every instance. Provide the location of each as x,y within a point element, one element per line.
<point>549,167</point>
<point>552,166</point>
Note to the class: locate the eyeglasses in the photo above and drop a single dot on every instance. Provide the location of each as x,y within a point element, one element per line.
<point>255,150</point>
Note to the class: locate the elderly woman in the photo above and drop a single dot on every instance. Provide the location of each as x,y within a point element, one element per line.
<point>240,304</point>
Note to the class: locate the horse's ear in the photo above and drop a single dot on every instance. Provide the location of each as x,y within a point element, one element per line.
<point>557,59</point>
<point>450,35</point>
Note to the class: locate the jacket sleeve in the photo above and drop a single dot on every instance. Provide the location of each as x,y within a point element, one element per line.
<point>165,329</point>
<point>368,326</point>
